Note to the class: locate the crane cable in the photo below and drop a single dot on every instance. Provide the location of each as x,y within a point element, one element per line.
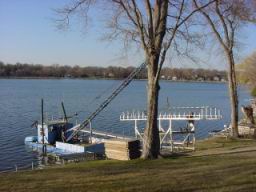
<point>108,100</point>
<point>99,96</point>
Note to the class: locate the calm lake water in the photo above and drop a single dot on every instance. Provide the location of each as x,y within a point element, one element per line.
<point>20,107</point>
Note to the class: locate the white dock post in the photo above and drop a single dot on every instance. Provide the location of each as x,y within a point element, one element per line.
<point>16,168</point>
<point>160,125</point>
<point>170,129</point>
<point>32,165</point>
<point>135,129</point>
<point>194,141</point>
<point>90,124</point>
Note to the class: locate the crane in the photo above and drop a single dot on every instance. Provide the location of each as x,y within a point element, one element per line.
<point>107,101</point>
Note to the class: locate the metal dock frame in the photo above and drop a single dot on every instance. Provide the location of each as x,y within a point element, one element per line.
<point>166,138</point>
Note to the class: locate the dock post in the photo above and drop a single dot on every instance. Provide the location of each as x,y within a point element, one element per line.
<point>32,166</point>
<point>42,126</point>
<point>16,168</point>
<point>90,123</point>
<point>194,142</point>
<point>135,129</point>
<point>171,136</point>
<point>159,125</point>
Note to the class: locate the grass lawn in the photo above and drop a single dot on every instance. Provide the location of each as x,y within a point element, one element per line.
<point>212,172</point>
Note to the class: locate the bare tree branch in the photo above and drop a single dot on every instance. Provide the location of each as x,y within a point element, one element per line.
<point>217,33</point>
<point>179,22</point>
<point>224,25</point>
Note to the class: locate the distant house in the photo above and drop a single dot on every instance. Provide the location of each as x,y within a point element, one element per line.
<point>174,78</point>
<point>111,75</point>
<point>216,78</point>
<point>68,76</point>
<point>162,77</point>
<point>200,79</point>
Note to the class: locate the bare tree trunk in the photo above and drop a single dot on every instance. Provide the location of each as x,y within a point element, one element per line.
<point>233,93</point>
<point>151,145</point>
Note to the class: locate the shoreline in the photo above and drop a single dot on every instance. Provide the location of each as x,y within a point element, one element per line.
<point>214,159</point>
<point>94,78</point>
<point>55,163</point>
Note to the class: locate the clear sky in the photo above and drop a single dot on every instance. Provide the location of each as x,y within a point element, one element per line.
<point>28,35</point>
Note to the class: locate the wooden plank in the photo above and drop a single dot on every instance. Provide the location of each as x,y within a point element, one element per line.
<point>125,153</point>
<point>122,149</point>
<point>122,157</point>
<point>128,143</point>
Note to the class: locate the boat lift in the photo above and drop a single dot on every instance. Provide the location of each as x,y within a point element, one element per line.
<point>190,114</point>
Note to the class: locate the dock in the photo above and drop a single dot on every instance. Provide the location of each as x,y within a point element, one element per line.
<point>104,134</point>
<point>187,114</point>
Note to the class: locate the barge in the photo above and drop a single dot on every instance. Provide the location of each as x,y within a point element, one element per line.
<point>52,138</point>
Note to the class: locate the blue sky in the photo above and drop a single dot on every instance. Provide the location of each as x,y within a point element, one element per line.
<point>28,34</point>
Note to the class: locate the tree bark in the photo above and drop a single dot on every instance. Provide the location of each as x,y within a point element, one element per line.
<point>233,93</point>
<point>151,142</point>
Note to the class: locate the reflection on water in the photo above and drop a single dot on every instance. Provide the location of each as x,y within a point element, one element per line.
<point>20,107</point>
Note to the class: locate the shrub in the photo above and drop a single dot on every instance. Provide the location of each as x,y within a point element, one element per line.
<point>253,92</point>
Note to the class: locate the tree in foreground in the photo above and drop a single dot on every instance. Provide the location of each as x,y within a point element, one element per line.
<point>154,25</point>
<point>225,18</point>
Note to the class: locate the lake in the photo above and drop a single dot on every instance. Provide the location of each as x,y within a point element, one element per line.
<point>20,101</point>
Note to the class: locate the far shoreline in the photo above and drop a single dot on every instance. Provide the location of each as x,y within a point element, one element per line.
<point>98,78</point>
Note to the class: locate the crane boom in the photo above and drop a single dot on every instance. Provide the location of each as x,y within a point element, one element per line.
<point>108,100</point>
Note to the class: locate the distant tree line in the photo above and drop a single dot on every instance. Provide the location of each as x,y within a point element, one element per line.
<point>59,71</point>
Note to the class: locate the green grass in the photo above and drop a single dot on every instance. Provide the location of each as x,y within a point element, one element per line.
<point>224,143</point>
<point>226,172</point>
